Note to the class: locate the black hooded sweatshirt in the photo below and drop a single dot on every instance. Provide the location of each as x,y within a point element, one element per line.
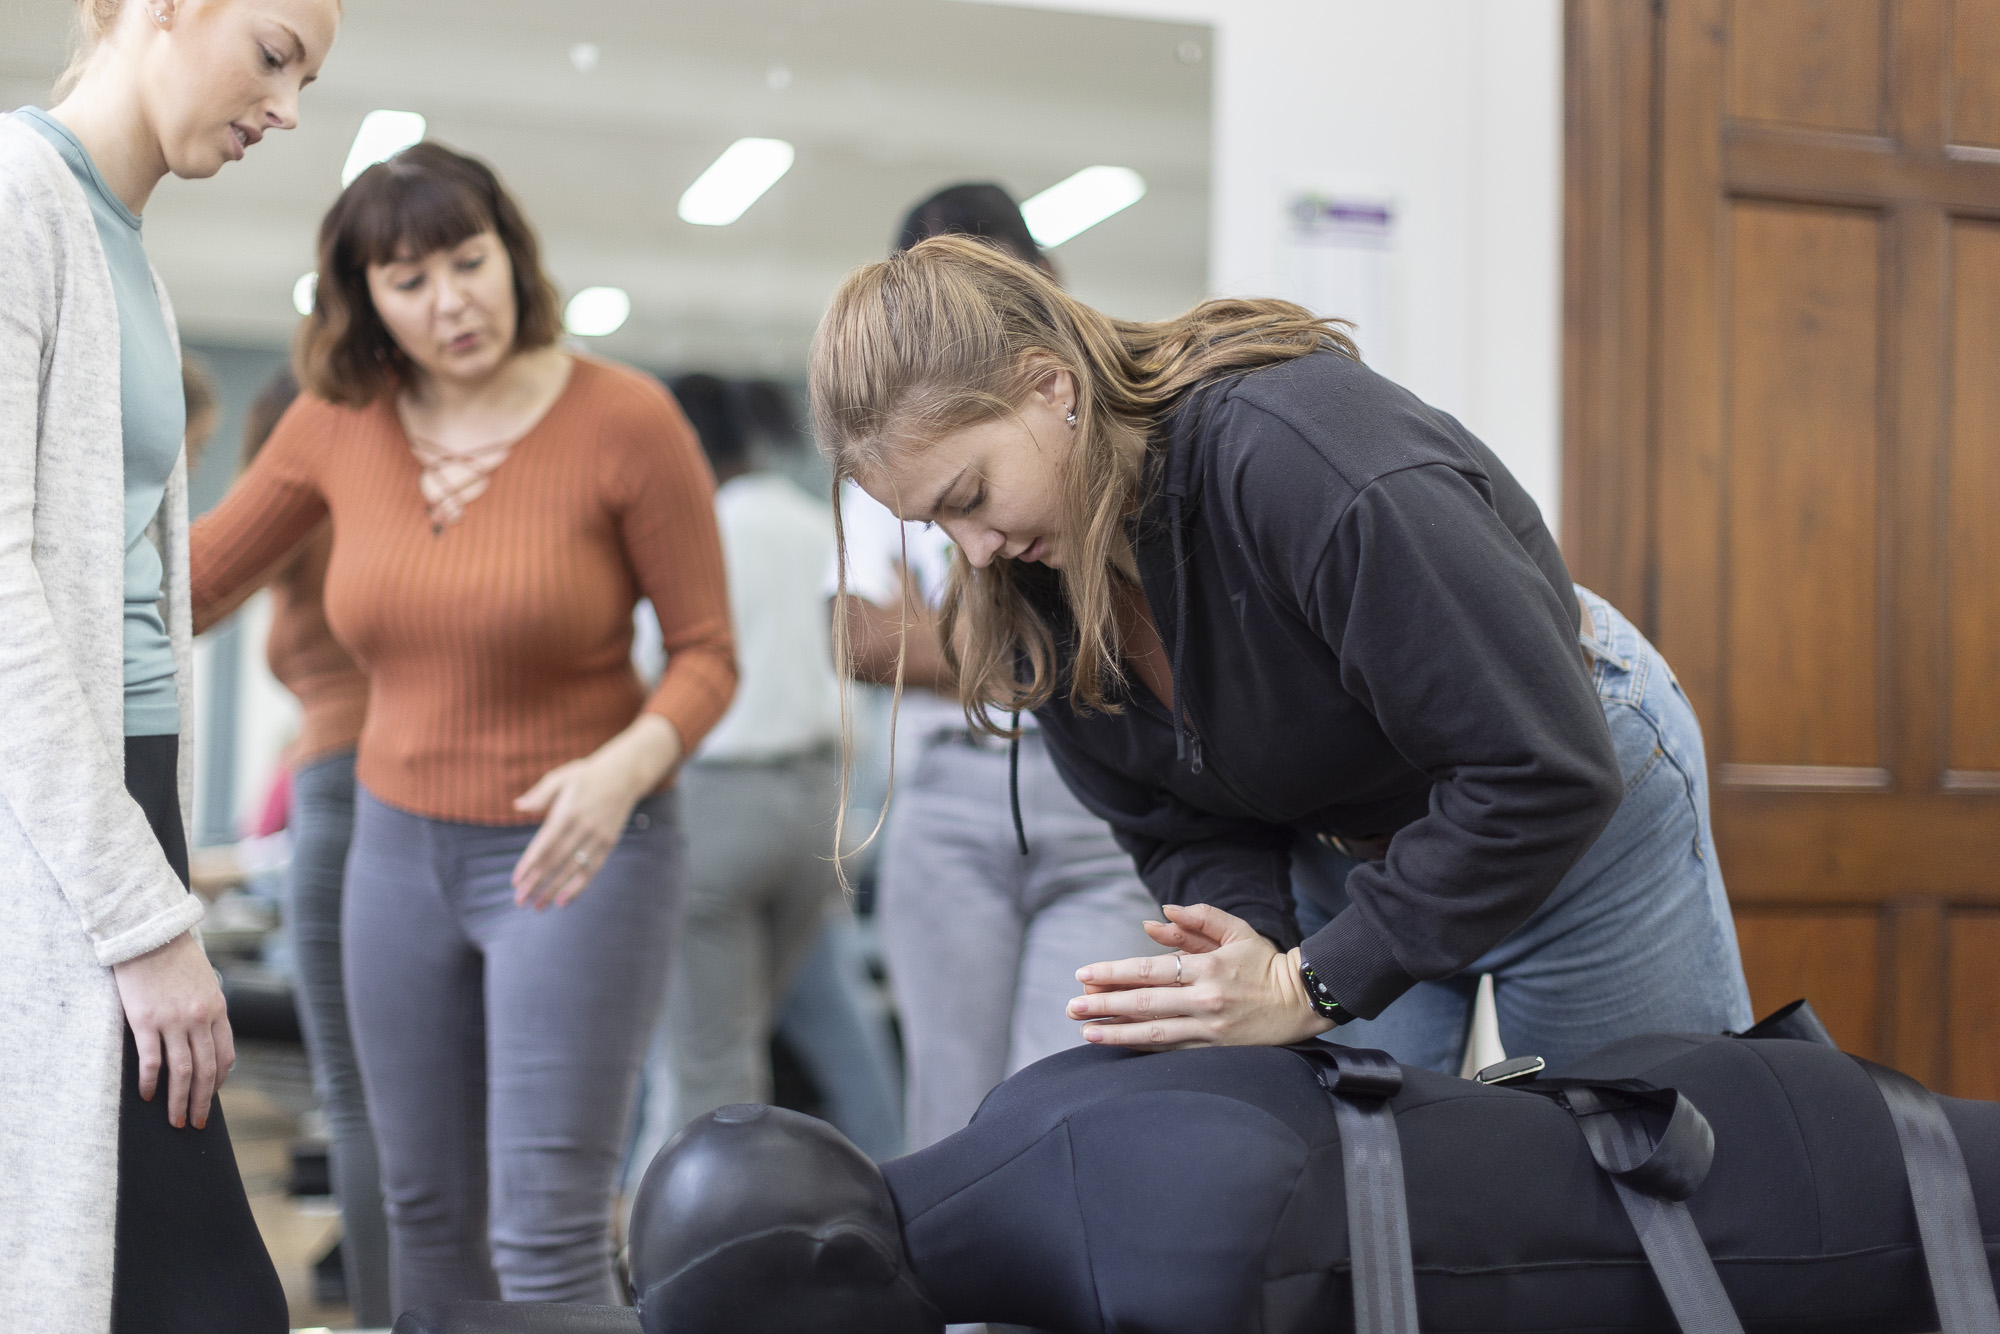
<point>1371,632</point>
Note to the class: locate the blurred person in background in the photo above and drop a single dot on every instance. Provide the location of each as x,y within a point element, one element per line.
<point>833,1018</point>
<point>497,507</point>
<point>121,1206</point>
<point>758,798</point>
<point>984,920</point>
<point>308,660</point>
<point>204,410</point>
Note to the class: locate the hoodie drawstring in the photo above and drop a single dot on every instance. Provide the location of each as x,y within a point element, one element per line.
<point>1014,785</point>
<point>1183,738</point>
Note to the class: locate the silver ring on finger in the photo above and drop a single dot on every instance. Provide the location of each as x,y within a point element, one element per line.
<point>583,859</point>
<point>1179,959</point>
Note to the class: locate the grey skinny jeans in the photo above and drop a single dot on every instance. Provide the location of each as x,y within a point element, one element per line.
<point>501,1047</point>
<point>322,824</point>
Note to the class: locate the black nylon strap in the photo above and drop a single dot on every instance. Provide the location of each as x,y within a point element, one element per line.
<point>1652,1179</point>
<point>1378,1214</point>
<point>1962,1282</point>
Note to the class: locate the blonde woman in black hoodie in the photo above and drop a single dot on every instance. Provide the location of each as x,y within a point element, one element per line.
<point>1292,632</point>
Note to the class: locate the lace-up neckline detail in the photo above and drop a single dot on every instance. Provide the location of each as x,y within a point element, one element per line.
<point>453,479</point>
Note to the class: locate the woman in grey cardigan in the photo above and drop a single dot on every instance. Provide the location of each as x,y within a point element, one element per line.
<point>112,1027</point>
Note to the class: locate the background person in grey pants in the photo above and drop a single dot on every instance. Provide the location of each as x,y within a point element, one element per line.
<point>982,943</point>
<point>760,793</point>
<point>333,702</point>
<point>759,888</point>
<point>322,824</point>
<point>499,1040</point>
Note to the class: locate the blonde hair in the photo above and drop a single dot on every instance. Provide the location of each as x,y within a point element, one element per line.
<point>951,333</point>
<point>94,21</point>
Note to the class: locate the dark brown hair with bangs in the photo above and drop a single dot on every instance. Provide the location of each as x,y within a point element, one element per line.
<point>424,199</point>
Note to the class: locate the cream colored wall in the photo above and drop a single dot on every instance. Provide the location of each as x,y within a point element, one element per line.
<point>1452,108</point>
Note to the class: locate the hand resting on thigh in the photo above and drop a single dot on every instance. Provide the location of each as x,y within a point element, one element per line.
<point>174,1004</point>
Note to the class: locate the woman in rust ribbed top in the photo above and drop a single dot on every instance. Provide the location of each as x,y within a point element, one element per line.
<point>497,506</point>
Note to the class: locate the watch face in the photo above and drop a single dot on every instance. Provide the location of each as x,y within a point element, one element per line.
<point>1321,995</point>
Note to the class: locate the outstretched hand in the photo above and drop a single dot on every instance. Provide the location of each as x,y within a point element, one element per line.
<point>1234,990</point>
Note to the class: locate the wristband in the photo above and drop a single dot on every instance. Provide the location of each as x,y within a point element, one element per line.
<point>1320,996</point>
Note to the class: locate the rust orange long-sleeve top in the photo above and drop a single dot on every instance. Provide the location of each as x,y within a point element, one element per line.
<point>308,660</point>
<point>500,647</point>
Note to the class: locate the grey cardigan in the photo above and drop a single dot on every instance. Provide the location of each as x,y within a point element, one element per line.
<point>83,883</point>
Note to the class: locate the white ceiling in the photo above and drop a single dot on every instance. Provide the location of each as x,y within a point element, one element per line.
<point>886,101</point>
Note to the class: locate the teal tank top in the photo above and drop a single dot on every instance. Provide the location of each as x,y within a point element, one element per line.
<point>154,413</point>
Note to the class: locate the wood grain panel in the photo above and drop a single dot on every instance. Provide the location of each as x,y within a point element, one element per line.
<point>1815,168</point>
<point>1975,1005</point>
<point>1821,437</point>
<point>1972,505</point>
<point>1914,948</point>
<point>1829,956</point>
<point>1858,847</point>
<point>1800,487</point>
<point>1608,212</point>
<point>1975,72</point>
<point>1807,62</point>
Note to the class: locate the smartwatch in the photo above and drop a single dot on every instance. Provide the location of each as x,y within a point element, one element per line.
<point>1321,997</point>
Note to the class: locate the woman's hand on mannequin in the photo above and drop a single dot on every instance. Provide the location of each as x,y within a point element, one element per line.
<point>1236,989</point>
<point>175,1007</point>
<point>584,805</point>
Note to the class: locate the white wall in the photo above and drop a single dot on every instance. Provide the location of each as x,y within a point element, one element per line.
<point>1452,108</point>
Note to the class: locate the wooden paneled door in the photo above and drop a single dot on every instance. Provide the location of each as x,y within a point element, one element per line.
<point>1782,457</point>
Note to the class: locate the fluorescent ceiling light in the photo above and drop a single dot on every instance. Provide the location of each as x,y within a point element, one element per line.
<point>735,181</point>
<point>303,292</point>
<point>1081,202</point>
<point>597,311</point>
<point>383,134</point>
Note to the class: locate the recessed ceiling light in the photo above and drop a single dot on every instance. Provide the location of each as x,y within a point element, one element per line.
<point>383,134</point>
<point>597,311</point>
<point>584,56</point>
<point>735,181</point>
<point>1081,202</point>
<point>303,292</point>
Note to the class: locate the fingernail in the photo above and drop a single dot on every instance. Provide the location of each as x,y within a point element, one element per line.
<point>1093,1035</point>
<point>1084,975</point>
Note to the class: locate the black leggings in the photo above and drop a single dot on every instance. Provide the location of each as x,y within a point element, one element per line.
<point>189,1258</point>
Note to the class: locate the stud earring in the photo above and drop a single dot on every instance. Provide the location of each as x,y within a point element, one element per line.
<point>160,17</point>
<point>1072,416</point>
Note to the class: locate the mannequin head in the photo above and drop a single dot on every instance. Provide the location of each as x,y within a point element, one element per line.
<point>757,1220</point>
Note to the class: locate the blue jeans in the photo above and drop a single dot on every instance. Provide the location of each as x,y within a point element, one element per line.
<point>1637,938</point>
